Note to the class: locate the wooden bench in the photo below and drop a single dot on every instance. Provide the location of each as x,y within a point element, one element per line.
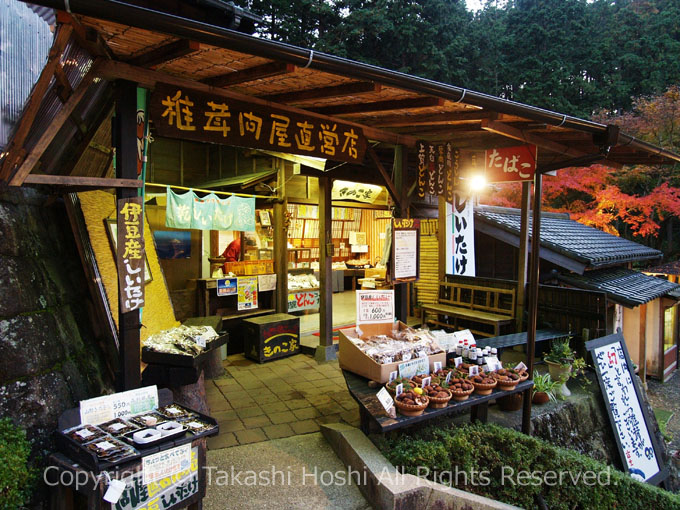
<point>474,304</point>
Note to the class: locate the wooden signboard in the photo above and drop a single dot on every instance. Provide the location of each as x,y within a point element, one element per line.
<point>437,170</point>
<point>630,420</point>
<point>405,257</point>
<point>191,115</point>
<point>510,164</point>
<point>130,253</point>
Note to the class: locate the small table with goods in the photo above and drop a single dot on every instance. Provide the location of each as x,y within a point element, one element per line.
<point>154,458</point>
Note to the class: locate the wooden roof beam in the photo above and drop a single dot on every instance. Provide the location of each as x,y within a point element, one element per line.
<point>380,106</point>
<point>345,89</point>
<point>111,70</point>
<point>435,118</point>
<point>86,37</point>
<point>171,51</point>
<point>250,74</point>
<point>16,178</point>
<point>527,137</point>
<point>82,182</point>
<point>388,180</point>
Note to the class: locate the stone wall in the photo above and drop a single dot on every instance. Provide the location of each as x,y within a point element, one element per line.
<point>50,357</point>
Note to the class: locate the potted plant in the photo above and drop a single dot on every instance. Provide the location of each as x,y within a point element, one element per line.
<point>559,361</point>
<point>544,388</point>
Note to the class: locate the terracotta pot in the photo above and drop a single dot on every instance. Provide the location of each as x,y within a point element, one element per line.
<point>560,373</point>
<point>510,402</point>
<point>540,398</point>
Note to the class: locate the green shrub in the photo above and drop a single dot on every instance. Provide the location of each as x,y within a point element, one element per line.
<point>15,475</point>
<point>497,450</point>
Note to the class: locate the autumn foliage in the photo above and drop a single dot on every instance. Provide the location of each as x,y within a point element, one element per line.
<point>636,201</point>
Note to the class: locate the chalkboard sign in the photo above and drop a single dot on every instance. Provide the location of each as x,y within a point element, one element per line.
<point>630,421</point>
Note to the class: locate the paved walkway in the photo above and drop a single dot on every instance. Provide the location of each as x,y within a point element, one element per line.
<point>291,396</point>
<point>295,473</point>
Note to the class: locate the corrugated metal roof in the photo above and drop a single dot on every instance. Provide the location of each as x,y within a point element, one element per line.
<point>624,286</point>
<point>26,40</point>
<point>571,238</point>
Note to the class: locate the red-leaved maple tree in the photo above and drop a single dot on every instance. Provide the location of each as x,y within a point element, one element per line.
<point>634,201</point>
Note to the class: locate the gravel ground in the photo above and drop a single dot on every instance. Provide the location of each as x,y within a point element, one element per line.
<point>667,396</point>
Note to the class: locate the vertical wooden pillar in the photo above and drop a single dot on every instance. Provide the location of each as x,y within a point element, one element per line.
<point>523,258</point>
<point>401,289</point>
<point>643,345</point>
<point>125,139</point>
<point>281,244</point>
<point>534,273</point>
<point>325,351</point>
<point>442,238</point>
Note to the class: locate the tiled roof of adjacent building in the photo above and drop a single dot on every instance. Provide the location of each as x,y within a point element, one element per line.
<point>624,286</point>
<point>667,268</point>
<point>574,240</point>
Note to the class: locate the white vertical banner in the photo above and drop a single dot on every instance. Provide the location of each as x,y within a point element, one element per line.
<point>462,234</point>
<point>448,239</point>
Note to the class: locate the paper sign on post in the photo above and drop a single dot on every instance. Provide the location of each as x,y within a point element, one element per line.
<point>458,361</point>
<point>165,464</point>
<point>393,376</point>
<point>108,407</point>
<point>399,389</point>
<point>426,382</point>
<point>375,306</point>
<point>437,366</point>
<point>473,371</point>
<point>385,399</point>
<point>448,377</point>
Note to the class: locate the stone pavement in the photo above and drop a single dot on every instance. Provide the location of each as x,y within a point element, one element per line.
<point>294,473</point>
<point>667,396</point>
<point>291,396</point>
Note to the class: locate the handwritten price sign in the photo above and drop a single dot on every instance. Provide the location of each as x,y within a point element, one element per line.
<point>100,409</point>
<point>375,306</point>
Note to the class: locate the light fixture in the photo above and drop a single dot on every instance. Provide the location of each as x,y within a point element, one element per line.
<point>477,183</point>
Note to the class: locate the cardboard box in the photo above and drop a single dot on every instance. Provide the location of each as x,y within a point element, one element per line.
<point>353,359</point>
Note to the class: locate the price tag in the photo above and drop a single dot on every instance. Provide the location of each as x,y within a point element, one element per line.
<point>385,399</point>
<point>108,407</point>
<point>105,445</point>
<point>388,359</point>
<point>393,376</point>
<point>437,366</point>
<point>448,377</point>
<point>473,371</point>
<point>418,366</point>
<point>406,356</point>
<point>520,366</point>
<point>399,389</point>
<point>425,382</point>
<point>375,306</point>
<point>458,361</point>
<point>84,433</point>
<point>201,341</point>
<point>117,426</point>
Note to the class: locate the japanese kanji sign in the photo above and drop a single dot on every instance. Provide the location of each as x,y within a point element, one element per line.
<point>463,234</point>
<point>623,398</point>
<point>346,190</point>
<point>184,113</point>
<point>510,163</point>
<point>209,212</point>
<point>405,256</point>
<point>437,170</point>
<point>130,254</point>
<point>168,492</point>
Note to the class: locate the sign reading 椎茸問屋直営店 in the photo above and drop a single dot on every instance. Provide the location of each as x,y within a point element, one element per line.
<point>192,115</point>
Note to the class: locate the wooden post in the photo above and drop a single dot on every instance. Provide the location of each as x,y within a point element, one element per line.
<point>325,351</point>
<point>533,297</point>
<point>442,238</point>
<point>281,244</point>
<point>125,137</point>
<point>401,289</point>
<point>643,345</point>
<point>523,258</point>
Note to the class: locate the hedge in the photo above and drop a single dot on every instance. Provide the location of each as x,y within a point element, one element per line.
<point>15,475</point>
<point>456,455</point>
